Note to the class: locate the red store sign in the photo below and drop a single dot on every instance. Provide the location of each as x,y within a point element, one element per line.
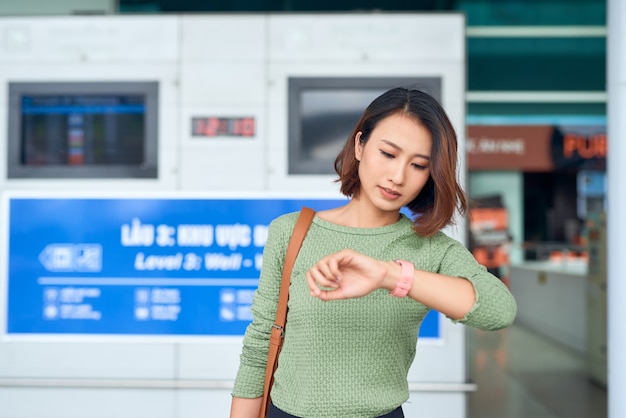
<point>535,148</point>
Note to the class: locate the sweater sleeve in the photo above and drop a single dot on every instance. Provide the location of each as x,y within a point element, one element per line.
<point>253,359</point>
<point>495,306</point>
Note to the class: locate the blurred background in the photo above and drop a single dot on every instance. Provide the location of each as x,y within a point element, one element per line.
<point>525,82</point>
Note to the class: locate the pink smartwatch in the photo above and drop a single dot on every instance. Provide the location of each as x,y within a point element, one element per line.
<point>406,279</point>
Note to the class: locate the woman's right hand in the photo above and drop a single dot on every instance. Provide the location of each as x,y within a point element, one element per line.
<point>347,274</point>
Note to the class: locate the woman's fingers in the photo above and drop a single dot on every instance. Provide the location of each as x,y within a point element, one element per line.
<point>335,294</point>
<point>323,275</point>
<point>321,280</point>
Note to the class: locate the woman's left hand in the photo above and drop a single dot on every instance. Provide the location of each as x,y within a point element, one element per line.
<point>346,274</point>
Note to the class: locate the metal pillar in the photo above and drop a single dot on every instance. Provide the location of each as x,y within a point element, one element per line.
<point>616,213</point>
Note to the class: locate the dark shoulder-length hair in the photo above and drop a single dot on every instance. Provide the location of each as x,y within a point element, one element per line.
<point>442,195</point>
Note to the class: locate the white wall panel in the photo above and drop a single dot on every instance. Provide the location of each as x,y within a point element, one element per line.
<point>204,404</point>
<point>46,359</point>
<point>223,162</point>
<point>222,169</point>
<point>169,154</point>
<point>223,84</point>
<point>215,360</point>
<point>223,74</point>
<point>330,39</point>
<point>223,38</point>
<point>88,39</point>
<point>87,403</point>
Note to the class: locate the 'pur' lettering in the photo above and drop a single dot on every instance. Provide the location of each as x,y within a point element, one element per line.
<point>594,146</point>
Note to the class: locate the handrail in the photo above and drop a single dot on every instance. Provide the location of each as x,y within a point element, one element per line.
<point>189,384</point>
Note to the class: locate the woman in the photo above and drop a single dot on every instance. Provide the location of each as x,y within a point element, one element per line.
<point>367,275</point>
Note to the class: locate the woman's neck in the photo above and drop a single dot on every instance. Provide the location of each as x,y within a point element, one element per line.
<point>355,214</point>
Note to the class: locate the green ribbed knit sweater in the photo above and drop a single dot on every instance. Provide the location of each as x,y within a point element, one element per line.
<point>350,358</point>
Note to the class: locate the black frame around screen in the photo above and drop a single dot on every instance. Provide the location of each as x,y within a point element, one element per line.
<point>147,168</point>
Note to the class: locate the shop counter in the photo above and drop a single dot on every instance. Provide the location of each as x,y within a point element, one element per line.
<point>552,300</point>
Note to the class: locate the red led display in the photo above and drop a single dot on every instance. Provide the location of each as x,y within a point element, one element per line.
<point>220,126</point>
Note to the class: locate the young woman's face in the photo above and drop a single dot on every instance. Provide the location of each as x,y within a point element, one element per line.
<point>394,163</point>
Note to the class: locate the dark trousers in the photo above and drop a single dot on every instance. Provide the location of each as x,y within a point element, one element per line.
<point>277,413</point>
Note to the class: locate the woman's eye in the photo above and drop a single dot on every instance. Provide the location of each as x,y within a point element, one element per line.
<point>386,154</point>
<point>419,167</point>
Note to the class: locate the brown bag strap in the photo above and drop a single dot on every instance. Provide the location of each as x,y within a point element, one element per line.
<point>276,337</point>
<point>297,237</point>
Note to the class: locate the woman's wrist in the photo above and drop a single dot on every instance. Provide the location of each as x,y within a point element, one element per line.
<point>405,282</point>
<point>394,272</point>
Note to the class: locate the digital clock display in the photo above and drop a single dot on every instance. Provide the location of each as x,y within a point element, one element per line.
<point>222,126</point>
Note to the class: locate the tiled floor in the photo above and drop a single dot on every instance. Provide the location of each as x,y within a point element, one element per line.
<point>523,375</point>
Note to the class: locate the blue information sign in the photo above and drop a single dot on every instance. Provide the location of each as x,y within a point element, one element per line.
<point>134,266</point>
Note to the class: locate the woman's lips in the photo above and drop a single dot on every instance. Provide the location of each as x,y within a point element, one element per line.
<point>389,193</point>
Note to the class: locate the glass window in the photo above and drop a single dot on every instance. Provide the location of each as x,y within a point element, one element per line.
<point>536,64</point>
<point>533,12</point>
<point>479,12</point>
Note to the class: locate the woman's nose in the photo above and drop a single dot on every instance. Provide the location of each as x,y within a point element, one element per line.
<point>397,173</point>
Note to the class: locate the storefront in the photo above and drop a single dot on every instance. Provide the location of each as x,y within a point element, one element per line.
<point>551,185</point>
<point>561,172</point>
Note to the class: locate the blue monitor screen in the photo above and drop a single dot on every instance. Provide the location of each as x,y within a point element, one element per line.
<point>82,129</point>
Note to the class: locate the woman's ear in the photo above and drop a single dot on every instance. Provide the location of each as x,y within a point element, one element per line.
<point>358,146</point>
